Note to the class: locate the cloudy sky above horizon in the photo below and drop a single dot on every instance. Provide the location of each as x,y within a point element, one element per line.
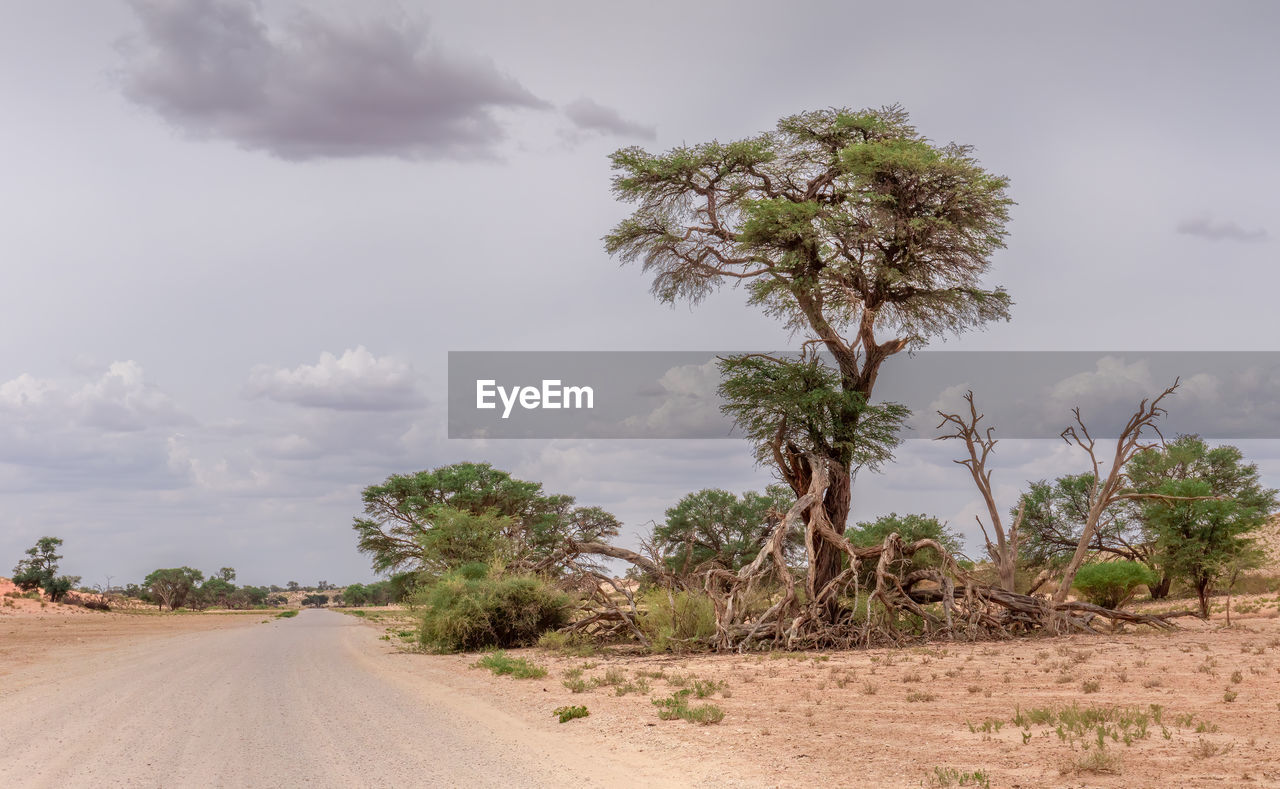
<point>240,238</point>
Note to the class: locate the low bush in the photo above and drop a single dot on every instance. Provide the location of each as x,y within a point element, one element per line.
<point>502,664</point>
<point>566,714</point>
<point>676,621</point>
<point>676,706</point>
<point>469,609</point>
<point>287,614</point>
<point>1112,584</point>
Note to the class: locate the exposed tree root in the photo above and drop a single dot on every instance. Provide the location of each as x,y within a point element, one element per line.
<point>882,597</point>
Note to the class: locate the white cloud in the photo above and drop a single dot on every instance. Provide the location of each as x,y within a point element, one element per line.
<point>355,381</point>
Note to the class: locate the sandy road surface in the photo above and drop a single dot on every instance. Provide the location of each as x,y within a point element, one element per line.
<point>308,701</point>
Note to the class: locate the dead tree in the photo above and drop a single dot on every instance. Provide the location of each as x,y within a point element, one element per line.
<point>1107,492</point>
<point>979,443</point>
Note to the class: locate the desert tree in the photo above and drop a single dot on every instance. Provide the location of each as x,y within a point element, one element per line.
<point>1205,507</point>
<point>170,587</point>
<point>714,527</point>
<point>978,443</point>
<point>1112,488</point>
<point>852,228</point>
<point>41,565</point>
<point>470,500</point>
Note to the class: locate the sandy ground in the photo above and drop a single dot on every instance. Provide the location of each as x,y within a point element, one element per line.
<point>231,700</point>
<point>890,718</point>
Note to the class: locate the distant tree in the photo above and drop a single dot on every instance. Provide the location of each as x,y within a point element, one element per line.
<point>41,565</point>
<point>276,600</point>
<point>293,586</point>
<point>172,586</point>
<point>1209,539</point>
<point>533,528</point>
<point>227,574</point>
<point>58,586</point>
<point>714,527</point>
<point>217,591</point>
<point>910,528</point>
<point>355,595</point>
<point>1054,517</point>
<point>316,600</point>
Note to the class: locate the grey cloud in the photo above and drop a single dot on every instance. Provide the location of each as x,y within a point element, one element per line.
<point>1220,230</point>
<point>314,87</point>
<point>355,381</point>
<point>588,115</point>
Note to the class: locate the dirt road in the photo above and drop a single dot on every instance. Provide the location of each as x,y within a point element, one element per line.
<point>308,701</point>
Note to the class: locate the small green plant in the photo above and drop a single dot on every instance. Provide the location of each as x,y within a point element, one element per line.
<point>287,614</point>
<point>566,714</point>
<point>676,706</point>
<point>576,685</point>
<point>704,688</point>
<point>502,664</point>
<point>950,776</point>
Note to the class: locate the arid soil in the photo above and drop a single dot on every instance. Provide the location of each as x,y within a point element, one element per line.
<point>909,717</point>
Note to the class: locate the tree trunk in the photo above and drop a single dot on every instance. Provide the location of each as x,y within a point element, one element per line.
<point>1202,592</point>
<point>1161,590</point>
<point>827,558</point>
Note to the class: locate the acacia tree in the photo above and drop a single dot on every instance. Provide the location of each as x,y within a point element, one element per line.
<point>717,527</point>
<point>478,503</point>
<point>857,232</point>
<point>172,586</point>
<point>1201,540</point>
<point>41,565</point>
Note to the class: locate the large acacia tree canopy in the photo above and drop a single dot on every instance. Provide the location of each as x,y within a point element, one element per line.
<point>838,220</point>
<point>402,512</point>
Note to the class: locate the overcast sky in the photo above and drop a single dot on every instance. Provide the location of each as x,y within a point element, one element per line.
<point>240,238</point>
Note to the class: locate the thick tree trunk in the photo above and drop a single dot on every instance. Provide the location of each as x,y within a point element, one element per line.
<point>1202,592</point>
<point>827,558</point>
<point>1161,590</point>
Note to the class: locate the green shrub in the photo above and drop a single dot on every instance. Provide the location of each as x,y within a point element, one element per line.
<point>1112,584</point>
<point>502,664</point>
<point>676,621</point>
<point>58,587</point>
<point>566,714</point>
<point>287,614</point>
<point>468,608</point>
<point>676,706</point>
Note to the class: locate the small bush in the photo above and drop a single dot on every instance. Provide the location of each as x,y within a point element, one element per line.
<point>1112,584</point>
<point>287,614</point>
<point>502,664</point>
<point>566,714</point>
<point>466,610</point>
<point>676,621</point>
<point>676,706</point>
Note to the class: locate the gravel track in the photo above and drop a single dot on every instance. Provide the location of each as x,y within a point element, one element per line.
<point>308,701</point>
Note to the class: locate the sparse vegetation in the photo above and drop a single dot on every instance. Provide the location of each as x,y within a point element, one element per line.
<point>502,664</point>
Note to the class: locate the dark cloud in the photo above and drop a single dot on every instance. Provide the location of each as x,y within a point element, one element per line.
<point>314,87</point>
<point>355,381</point>
<point>587,115</point>
<point>1223,230</point>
